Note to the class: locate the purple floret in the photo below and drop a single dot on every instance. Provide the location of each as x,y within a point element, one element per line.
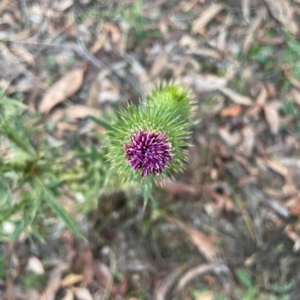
<point>149,152</point>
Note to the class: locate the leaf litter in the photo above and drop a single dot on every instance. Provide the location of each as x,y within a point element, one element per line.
<point>232,55</point>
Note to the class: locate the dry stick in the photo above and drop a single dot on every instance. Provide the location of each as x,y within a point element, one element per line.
<point>24,10</point>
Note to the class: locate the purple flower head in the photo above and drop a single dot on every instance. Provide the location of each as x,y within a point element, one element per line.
<point>149,152</point>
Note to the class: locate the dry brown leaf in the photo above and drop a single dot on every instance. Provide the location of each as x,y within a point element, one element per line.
<point>231,111</point>
<point>22,86</point>
<point>159,64</point>
<point>208,295</point>
<point>294,236</point>
<point>200,270</point>
<point>163,287</point>
<point>35,265</point>
<point>235,97</point>
<point>23,54</point>
<point>115,33</point>
<point>204,83</point>
<point>231,138</point>
<point>262,97</point>
<point>208,15</point>
<point>62,89</point>
<point>272,117</point>
<point>64,126</point>
<point>206,52</point>
<point>99,42</point>
<point>54,280</point>
<point>283,12</point>
<point>293,205</point>
<point>62,5</point>
<point>294,81</point>
<point>255,25</point>
<point>295,96</point>
<point>289,187</point>
<point>201,241</point>
<point>10,289</point>
<point>83,294</point>
<point>277,167</point>
<point>248,143</point>
<point>80,112</point>
<point>103,276</point>
<point>177,187</point>
<point>71,279</point>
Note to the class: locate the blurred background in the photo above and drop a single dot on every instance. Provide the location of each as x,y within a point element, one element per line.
<point>226,228</point>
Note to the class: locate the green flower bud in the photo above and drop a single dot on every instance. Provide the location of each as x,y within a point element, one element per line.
<point>149,140</point>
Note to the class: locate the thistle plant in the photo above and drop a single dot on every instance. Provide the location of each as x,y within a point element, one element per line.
<point>149,141</point>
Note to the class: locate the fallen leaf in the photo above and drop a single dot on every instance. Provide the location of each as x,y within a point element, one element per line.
<point>35,265</point>
<point>272,117</point>
<point>235,97</point>
<point>204,83</point>
<point>293,205</point>
<point>163,286</point>
<point>71,279</point>
<point>103,275</point>
<point>255,25</point>
<point>83,294</point>
<point>282,11</point>
<point>10,289</point>
<point>114,31</point>
<point>202,242</point>
<point>99,42</point>
<point>159,64</point>
<point>54,280</point>
<point>23,53</point>
<point>208,15</point>
<point>231,111</point>
<point>80,112</point>
<point>231,138</point>
<point>177,187</point>
<point>208,295</point>
<point>62,5</point>
<point>295,96</point>
<point>22,86</point>
<point>64,126</point>
<point>85,261</point>
<point>289,187</point>
<point>248,142</point>
<point>262,97</point>
<point>276,165</point>
<point>294,81</point>
<point>62,89</point>
<point>201,270</point>
<point>294,236</point>
<point>206,52</point>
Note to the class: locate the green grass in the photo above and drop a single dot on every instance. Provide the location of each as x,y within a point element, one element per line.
<point>34,174</point>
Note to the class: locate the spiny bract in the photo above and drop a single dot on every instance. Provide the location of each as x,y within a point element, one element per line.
<point>150,139</point>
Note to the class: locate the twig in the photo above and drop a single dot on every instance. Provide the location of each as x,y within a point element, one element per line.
<point>24,10</point>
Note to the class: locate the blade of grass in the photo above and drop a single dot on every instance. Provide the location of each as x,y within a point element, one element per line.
<point>58,209</point>
<point>100,122</point>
